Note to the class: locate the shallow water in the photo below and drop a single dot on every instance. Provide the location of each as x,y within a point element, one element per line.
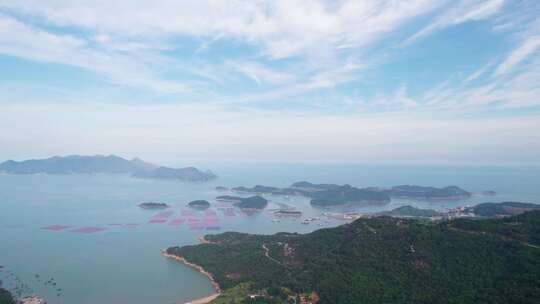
<point>122,263</point>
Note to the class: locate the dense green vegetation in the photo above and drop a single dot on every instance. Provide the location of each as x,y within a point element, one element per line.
<point>347,194</point>
<point>502,209</point>
<point>253,202</point>
<point>383,260</point>
<point>199,204</point>
<point>6,297</point>
<point>332,194</point>
<point>524,227</point>
<point>410,211</point>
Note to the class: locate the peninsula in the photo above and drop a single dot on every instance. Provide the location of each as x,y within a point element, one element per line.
<point>380,260</point>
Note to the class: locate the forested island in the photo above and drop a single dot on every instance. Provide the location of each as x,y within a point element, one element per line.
<point>326,195</point>
<point>77,164</point>
<point>379,260</point>
<point>427,193</point>
<point>199,204</point>
<point>252,202</point>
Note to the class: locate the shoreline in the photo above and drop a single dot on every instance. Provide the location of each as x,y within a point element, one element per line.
<point>200,269</point>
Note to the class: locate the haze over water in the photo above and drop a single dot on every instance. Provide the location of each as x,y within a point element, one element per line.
<point>123,264</point>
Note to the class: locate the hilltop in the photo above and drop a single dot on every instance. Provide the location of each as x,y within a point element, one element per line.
<point>380,260</point>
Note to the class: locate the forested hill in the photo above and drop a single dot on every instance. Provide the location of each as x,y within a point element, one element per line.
<point>6,297</point>
<point>381,260</point>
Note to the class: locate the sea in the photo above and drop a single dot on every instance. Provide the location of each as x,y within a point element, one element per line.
<point>83,239</point>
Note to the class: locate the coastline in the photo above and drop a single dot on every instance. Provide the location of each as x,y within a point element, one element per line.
<point>200,269</point>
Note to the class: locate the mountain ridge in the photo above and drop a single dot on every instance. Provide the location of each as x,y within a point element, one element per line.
<point>89,164</point>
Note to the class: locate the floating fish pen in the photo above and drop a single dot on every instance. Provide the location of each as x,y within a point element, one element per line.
<point>89,229</point>
<point>176,222</point>
<point>285,213</point>
<point>55,227</point>
<point>157,221</point>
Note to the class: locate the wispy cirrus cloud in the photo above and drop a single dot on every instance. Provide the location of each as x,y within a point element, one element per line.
<point>528,47</point>
<point>463,11</point>
<point>124,68</point>
<point>222,71</point>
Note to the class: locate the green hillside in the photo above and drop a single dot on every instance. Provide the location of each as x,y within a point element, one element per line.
<point>381,260</point>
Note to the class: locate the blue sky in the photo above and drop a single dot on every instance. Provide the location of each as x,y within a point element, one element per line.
<point>372,81</point>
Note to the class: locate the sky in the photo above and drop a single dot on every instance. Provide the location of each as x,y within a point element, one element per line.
<point>371,81</point>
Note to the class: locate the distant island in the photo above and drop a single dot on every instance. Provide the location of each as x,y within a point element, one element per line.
<point>76,164</point>
<point>199,204</point>
<point>153,205</point>
<point>347,195</point>
<point>253,202</point>
<point>221,189</point>
<point>377,260</point>
<point>326,195</point>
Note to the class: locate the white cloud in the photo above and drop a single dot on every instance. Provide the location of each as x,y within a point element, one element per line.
<point>159,132</point>
<point>282,28</point>
<point>464,11</point>
<point>479,72</point>
<point>524,50</point>
<point>21,40</point>
<point>261,74</point>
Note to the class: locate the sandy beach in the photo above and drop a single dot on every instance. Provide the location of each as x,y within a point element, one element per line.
<point>208,298</point>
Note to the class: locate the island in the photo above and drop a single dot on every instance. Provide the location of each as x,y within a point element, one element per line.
<point>427,193</point>
<point>410,211</point>
<point>348,195</point>
<point>153,205</point>
<point>325,195</point>
<point>221,189</point>
<point>199,204</point>
<point>111,164</point>
<point>489,193</point>
<point>253,202</point>
<point>256,189</point>
<point>378,260</point>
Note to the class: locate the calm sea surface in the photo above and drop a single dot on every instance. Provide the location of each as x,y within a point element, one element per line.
<point>122,264</point>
